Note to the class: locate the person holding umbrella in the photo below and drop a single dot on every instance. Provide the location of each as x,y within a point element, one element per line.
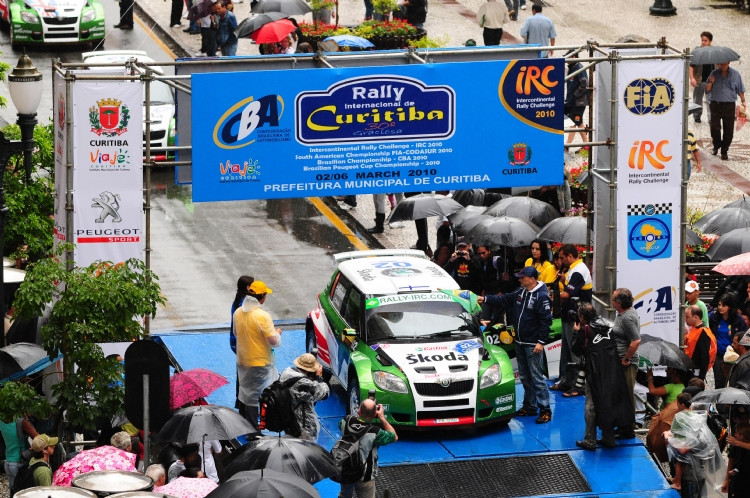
<point>699,77</point>
<point>739,376</point>
<point>724,322</point>
<point>256,335</point>
<point>723,87</point>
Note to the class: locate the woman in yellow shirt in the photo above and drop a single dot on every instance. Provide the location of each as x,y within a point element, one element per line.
<point>540,260</point>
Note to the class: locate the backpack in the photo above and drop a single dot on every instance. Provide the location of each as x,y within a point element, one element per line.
<point>25,477</point>
<point>346,455</point>
<point>276,410</point>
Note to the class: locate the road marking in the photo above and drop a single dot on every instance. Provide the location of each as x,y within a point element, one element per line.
<point>156,39</point>
<point>338,223</point>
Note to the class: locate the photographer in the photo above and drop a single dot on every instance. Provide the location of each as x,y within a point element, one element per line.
<point>465,270</point>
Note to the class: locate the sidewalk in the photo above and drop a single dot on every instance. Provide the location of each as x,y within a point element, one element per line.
<point>453,22</point>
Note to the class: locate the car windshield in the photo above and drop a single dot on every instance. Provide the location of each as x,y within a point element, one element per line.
<point>422,319</point>
<point>161,93</point>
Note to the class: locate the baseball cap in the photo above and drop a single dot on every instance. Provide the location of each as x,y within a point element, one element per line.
<point>462,244</point>
<point>42,441</point>
<point>692,286</point>
<point>529,271</point>
<point>745,341</point>
<point>258,287</point>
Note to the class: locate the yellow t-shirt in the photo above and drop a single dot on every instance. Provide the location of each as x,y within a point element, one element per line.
<point>547,271</point>
<point>253,328</point>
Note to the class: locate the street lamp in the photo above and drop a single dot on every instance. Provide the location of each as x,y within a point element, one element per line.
<point>25,85</point>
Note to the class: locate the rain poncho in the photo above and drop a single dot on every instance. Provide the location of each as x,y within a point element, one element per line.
<point>693,443</point>
<point>255,333</point>
<point>305,393</point>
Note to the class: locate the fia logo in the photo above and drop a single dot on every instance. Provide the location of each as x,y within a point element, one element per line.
<point>110,206</point>
<point>646,150</point>
<point>236,126</point>
<point>649,96</point>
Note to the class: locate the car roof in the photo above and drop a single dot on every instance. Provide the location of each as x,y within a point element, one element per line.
<point>119,56</point>
<point>386,272</point>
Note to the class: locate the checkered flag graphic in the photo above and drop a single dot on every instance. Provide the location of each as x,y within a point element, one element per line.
<point>649,209</point>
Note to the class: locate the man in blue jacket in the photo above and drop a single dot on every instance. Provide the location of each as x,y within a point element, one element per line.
<point>529,311</point>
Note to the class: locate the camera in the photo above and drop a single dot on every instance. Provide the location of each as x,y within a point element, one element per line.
<point>371,394</point>
<point>572,315</point>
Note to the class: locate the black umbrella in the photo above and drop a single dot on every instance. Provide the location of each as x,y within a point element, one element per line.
<point>470,197</point>
<point>742,202</point>
<point>502,231</point>
<point>288,7</point>
<point>527,208</point>
<point>463,214</point>
<point>657,351</point>
<point>723,396</point>
<point>721,221</point>
<point>713,54</point>
<point>251,24</point>
<point>423,206</point>
<point>730,244</point>
<point>566,230</point>
<point>264,484</point>
<point>18,357</point>
<point>201,8</point>
<point>466,226</point>
<point>195,424</point>
<point>300,457</point>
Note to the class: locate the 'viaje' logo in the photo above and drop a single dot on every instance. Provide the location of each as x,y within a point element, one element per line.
<point>236,127</point>
<point>532,91</point>
<point>375,108</point>
<point>649,96</point>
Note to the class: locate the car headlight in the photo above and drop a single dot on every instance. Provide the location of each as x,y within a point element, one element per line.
<point>88,15</point>
<point>389,382</point>
<point>29,17</point>
<point>490,377</point>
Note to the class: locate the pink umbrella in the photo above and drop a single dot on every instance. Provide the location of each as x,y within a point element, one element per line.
<point>101,458</point>
<point>190,385</point>
<point>736,265</point>
<point>188,487</point>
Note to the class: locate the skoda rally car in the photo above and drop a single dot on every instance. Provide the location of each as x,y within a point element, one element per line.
<point>383,327</point>
<point>53,21</point>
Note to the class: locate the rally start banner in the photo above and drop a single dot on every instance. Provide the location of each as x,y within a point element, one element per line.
<point>315,132</point>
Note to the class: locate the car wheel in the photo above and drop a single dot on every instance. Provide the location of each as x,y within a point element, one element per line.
<point>354,395</point>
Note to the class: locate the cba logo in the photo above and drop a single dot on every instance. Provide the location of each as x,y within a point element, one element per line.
<point>649,231</point>
<point>236,126</point>
<point>649,96</point>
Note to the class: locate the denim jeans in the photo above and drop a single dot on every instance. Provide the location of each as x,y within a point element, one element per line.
<point>531,372</point>
<point>11,469</point>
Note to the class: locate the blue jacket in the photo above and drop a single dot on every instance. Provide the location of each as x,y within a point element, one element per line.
<point>529,312</point>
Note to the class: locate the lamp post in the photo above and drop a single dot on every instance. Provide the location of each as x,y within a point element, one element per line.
<point>25,85</point>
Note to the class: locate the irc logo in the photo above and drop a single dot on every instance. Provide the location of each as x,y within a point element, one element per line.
<point>649,96</point>
<point>646,150</point>
<point>540,79</point>
<point>236,126</point>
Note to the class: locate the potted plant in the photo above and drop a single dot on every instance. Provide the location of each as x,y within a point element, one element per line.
<point>388,34</point>
<point>383,9</point>
<point>318,31</point>
<point>322,10</point>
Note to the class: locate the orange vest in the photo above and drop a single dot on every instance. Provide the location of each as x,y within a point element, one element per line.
<point>691,339</point>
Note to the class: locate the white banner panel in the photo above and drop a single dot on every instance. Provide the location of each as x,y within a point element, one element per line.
<point>59,108</point>
<point>108,174</point>
<point>649,172</point>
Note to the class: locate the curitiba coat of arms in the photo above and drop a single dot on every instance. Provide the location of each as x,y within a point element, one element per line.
<point>109,117</point>
<point>519,154</point>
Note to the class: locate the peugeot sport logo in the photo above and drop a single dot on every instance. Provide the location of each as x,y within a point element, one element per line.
<point>110,206</point>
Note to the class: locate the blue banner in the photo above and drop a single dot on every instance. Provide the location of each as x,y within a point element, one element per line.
<point>316,132</point>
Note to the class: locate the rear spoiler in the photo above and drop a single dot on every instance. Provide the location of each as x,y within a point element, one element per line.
<point>346,256</point>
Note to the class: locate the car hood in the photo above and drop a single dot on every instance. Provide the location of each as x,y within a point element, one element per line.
<point>57,8</point>
<point>453,359</point>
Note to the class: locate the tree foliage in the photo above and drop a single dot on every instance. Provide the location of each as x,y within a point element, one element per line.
<point>103,302</point>
<point>29,231</point>
<point>18,400</point>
